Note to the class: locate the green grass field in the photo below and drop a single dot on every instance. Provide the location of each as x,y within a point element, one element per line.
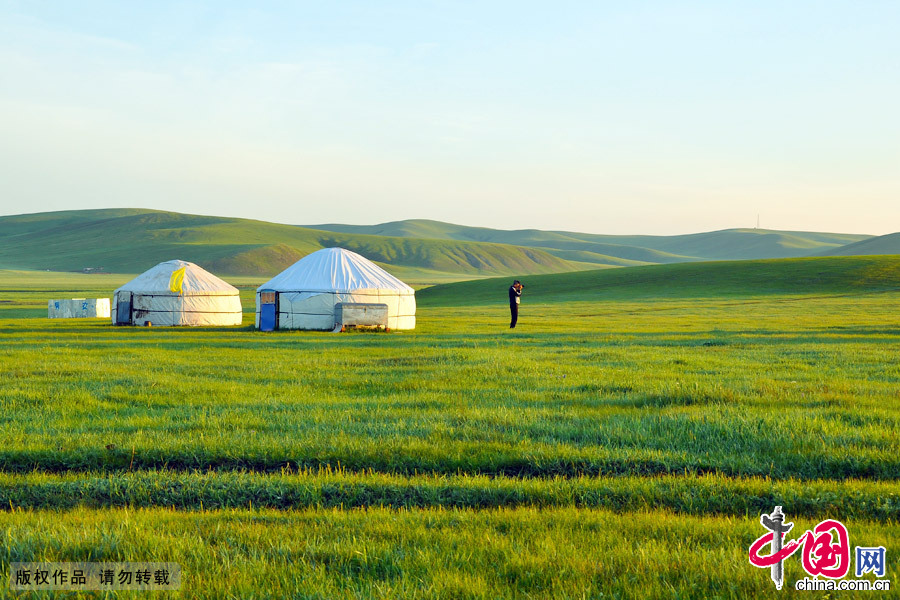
<point>621,443</point>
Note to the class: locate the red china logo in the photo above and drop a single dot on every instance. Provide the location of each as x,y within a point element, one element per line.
<point>826,553</point>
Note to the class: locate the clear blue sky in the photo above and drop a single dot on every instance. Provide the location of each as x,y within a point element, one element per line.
<point>608,117</point>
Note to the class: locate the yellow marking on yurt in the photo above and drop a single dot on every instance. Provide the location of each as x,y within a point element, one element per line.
<point>177,279</point>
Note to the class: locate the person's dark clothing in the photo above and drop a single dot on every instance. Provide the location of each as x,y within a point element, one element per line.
<point>514,295</point>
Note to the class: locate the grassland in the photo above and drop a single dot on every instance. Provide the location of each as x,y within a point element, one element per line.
<point>621,442</point>
<point>386,553</point>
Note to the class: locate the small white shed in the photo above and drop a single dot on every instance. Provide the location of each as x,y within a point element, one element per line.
<point>78,308</point>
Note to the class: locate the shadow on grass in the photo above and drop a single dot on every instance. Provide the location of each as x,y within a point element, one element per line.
<point>337,489</point>
<point>121,460</point>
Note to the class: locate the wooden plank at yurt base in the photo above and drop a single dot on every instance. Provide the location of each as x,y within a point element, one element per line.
<point>78,308</point>
<point>361,315</point>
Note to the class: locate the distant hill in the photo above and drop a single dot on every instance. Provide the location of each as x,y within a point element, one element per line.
<point>728,244</point>
<point>883,244</point>
<point>132,240</point>
<point>800,276</point>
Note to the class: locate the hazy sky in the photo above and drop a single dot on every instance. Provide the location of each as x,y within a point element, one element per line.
<point>607,117</point>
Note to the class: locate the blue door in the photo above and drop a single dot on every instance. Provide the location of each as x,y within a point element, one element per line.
<point>123,309</point>
<point>268,311</point>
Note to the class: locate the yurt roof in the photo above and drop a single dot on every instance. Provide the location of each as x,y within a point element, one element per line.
<point>334,270</point>
<point>197,281</point>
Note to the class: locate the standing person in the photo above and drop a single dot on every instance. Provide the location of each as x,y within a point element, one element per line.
<point>515,292</point>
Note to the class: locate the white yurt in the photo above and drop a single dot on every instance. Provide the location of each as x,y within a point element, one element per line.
<point>176,293</point>
<point>309,293</point>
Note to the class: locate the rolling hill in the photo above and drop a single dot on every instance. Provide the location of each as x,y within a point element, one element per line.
<point>800,276</point>
<point>728,244</point>
<point>883,244</point>
<point>131,240</point>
